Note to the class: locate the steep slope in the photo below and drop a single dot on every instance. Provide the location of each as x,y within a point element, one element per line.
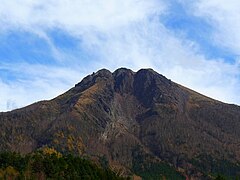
<point>131,119</point>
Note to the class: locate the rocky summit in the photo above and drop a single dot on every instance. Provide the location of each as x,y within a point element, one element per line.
<point>138,123</point>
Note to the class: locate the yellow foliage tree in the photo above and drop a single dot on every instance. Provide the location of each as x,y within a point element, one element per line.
<point>51,151</point>
<point>9,173</point>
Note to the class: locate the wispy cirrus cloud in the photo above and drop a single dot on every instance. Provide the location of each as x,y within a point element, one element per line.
<point>76,16</point>
<point>224,17</point>
<point>69,39</point>
<point>31,82</point>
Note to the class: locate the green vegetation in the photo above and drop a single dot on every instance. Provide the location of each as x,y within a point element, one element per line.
<point>220,177</point>
<point>158,171</point>
<point>221,169</point>
<point>150,169</point>
<point>49,164</point>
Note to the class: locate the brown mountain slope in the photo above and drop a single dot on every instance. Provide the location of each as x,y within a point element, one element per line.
<point>131,119</point>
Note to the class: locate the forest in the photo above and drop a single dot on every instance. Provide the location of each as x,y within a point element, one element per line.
<point>47,163</point>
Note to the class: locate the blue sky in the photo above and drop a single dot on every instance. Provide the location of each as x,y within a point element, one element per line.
<point>48,46</point>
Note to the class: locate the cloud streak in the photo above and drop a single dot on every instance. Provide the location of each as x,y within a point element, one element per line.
<point>225,19</point>
<point>34,83</point>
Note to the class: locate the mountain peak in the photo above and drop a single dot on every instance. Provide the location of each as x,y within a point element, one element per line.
<point>122,71</point>
<point>147,70</point>
<point>125,116</point>
<point>103,72</point>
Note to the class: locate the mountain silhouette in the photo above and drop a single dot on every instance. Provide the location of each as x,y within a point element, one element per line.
<point>134,121</point>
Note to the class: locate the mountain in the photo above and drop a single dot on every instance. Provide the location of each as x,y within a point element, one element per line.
<point>136,122</point>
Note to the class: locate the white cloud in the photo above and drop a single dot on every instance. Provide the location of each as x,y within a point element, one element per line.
<point>225,19</point>
<point>35,82</point>
<point>74,15</point>
<point>128,34</point>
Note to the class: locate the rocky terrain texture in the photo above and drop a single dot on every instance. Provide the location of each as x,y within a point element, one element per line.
<point>137,122</point>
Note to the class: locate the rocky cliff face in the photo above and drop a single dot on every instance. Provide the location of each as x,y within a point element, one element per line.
<point>129,119</point>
